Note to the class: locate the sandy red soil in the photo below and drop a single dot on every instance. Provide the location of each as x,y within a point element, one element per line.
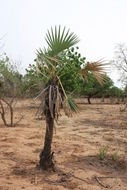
<point>76,146</point>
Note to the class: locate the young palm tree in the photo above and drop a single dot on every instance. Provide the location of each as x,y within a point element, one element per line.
<point>50,63</point>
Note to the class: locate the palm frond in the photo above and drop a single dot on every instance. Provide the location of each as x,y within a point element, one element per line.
<point>49,63</point>
<point>58,103</point>
<point>51,101</point>
<point>47,68</point>
<point>70,106</point>
<point>37,67</point>
<point>97,68</point>
<point>59,40</point>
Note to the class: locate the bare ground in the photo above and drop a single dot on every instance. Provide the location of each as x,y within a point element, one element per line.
<point>76,146</point>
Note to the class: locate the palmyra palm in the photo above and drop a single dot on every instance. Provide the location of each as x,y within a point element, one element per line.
<point>49,66</point>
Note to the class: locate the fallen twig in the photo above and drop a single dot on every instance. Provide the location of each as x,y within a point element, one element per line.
<point>102,184</point>
<point>79,178</point>
<point>35,180</point>
<point>70,174</point>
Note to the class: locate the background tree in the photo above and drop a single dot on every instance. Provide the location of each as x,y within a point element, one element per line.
<point>92,88</point>
<point>10,88</point>
<point>32,85</point>
<point>117,93</point>
<point>70,75</point>
<point>10,78</point>
<point>52,64</point>
<point>120,62</point>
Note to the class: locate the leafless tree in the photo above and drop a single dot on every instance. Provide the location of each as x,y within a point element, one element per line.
<point>6,106</point>
<point>120,62</point>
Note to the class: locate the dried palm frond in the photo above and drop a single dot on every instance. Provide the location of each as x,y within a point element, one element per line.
<point>97,68</point>
<point>58,103</point>
<point>54,59</point>
<point>51,100</point>
<point>48,65</point>
<point>40,111</point>
<point>40,94</point>
<point>69,105</point>
<point>37,69</point>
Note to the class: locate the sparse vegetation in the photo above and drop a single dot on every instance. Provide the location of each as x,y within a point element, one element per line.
<point>60,75</point>
<point>75,143</point>
<point>102,152</point>
<point>115,156</point>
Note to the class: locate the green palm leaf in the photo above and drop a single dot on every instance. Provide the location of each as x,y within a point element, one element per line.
<point>70,107</point>
<point>59,40</point>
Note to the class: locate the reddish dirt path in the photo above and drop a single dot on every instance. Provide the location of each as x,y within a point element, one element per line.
<point>76,145</point>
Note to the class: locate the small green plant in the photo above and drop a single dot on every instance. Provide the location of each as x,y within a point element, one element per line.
<point>114,156</point>
<point>102,153</point>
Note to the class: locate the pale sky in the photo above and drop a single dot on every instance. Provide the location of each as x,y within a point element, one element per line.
<point>99,24</point>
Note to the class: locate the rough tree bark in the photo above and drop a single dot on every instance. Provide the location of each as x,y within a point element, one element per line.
<point>46,156</point>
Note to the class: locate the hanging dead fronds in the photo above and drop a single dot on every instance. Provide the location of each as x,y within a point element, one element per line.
<point>51,103</point>
<point>58,103</point>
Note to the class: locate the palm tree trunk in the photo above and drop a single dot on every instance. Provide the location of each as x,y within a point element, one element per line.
<point>46,155</point>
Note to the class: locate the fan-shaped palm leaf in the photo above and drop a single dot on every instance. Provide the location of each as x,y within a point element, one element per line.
<point>59,40</point>
<point>97,68</point>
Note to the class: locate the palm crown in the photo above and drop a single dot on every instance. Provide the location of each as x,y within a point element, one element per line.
<point>50,64</point>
